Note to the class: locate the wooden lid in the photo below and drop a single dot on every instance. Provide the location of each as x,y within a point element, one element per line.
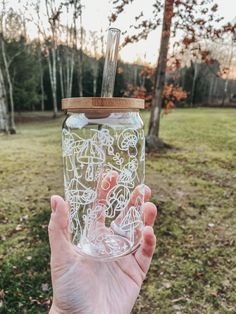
<point>105,103</point>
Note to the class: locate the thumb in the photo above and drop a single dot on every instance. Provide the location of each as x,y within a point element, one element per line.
<point>58,227</point>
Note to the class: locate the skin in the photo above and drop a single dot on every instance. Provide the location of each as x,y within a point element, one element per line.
<point>85,286</point>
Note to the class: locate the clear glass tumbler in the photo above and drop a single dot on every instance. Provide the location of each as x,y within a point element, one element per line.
<point>104,161</point>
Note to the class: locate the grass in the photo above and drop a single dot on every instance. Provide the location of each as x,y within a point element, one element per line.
<point>194,267</point>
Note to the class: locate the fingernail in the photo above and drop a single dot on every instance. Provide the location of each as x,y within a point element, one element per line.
<point>53,203</point>
<point>147,193</point>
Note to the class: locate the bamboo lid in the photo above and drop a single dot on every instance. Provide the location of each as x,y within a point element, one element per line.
<point>102,103</point>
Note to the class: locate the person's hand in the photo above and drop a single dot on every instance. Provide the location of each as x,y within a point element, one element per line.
<point>85,286</point>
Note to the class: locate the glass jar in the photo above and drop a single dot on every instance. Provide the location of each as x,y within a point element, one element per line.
<point>104,162</point>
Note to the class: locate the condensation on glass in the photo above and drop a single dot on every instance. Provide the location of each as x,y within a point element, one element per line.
<point>104,157</point>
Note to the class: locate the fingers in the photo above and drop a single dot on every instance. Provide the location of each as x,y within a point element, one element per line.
<point>135,200</point>
<point>108,182</point>
<point>145,252</point>
<point>58,227</point>
<point>139,192</point>
<point>149,214</point>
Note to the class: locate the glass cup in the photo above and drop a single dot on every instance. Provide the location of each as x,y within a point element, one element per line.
<point>104,162</point>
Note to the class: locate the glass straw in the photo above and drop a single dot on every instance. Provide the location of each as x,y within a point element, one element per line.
<point>109,71</point>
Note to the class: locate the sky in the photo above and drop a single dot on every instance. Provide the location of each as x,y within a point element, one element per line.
<point>95,18</point>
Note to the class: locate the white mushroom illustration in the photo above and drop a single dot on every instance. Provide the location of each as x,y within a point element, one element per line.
<point>127,141</point>
<point>128,173</point>
<point>117,199</point>
<point>129,223</point>
<point>90,154</point>
<point>104,138</point>
<point>77,194</point>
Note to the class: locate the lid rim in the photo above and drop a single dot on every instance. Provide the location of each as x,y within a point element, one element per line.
<point>102,103</point>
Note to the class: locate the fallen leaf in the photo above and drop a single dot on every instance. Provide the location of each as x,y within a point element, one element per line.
<point>24,218</point>
<point>19,227</point>
<point>2,294</point>
<point>166,284</point>
<point>211,225</point>
<point>45,287</point>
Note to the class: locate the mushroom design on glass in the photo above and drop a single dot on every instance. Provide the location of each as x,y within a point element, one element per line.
<point>117,200</point>
<point>127,141</point>
<point>91,155</point>
<point>78,194</point>
<point>129,223</point>
<point>104,138</point>
<point>128,173</point>
<point>69,145</point>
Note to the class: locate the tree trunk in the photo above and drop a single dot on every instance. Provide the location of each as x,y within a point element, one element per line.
<point>195,76</point>
<point>95,76</point>
<point>69,72</point>
<point>52,60</point>
<point>154,124</point>
<point>135,75</point>
<point>69,94</point>
<point>52,75</point>
<point>94,86</point>
<point>42,86</point>
<point>210,94</point>
<point>4,121</point>
<point>81,59</point>
<point>226,83</point>
<point>61,75</point>
<point>12,127</point>
<point>215,89</point>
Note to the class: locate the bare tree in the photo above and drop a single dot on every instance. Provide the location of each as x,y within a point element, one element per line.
<point>80,68</point>
<point>226,81</point>
<point>53,14</point>
<point>94,45</point>
<point>4,121</point>
<point>196,66</point>
<point>193,19</point>
<point>39,54</point>
<point>10,27</point>
<point>67,54</point>
<point>154,124</point>
<point>41,80</point>
<point>10,87</point>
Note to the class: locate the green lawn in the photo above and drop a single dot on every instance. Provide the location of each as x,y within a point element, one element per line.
<point>194,184</point>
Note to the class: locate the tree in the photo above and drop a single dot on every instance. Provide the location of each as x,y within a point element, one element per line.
<point>4,121</point>
<point>81,56</point>
<point>53,14</point>
<point>154,124</point>
<point>67,52</point>
<point>10,29</point>
<point>192,19</point>
<point>39,45</point>
<point>227,71</point>
<point>204,81</point>
<point>26,73</point>
<point>94,41</point>
<point>10,86</point>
